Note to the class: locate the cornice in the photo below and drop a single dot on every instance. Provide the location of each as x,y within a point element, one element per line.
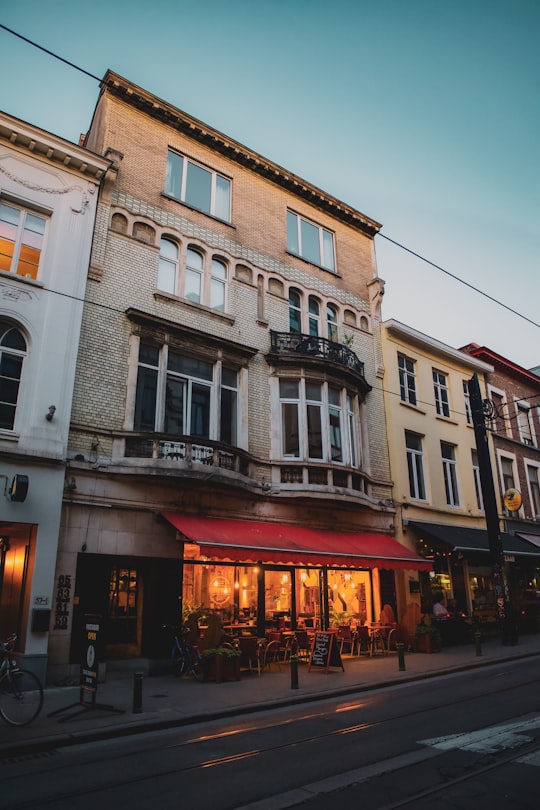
<point>43,145</point>
<point>142,100</point>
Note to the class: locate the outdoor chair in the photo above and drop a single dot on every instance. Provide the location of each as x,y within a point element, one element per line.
<point>346,639</point>
<point>303,645</point>
<point>272,655</point>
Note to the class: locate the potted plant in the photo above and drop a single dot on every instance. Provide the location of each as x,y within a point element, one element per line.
<point>427,638</point>
<point>221,664</point>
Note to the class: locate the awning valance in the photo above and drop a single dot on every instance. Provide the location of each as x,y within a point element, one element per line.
<point>531,538</point>
<point>472,540</point>
<point>256,541</point>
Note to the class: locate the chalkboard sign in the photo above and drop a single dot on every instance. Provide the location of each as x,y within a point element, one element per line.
<point>325,653</point>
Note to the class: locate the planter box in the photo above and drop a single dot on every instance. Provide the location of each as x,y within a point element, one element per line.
<point>221,668</point>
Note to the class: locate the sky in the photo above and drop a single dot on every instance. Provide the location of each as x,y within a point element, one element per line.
<point>422,114</point>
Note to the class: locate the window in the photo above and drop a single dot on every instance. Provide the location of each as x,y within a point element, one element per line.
<point>295,311</point>
<point>440,389</point>
<point>198,187</point>
<point>310,241</point>
<point>179,395</point>
<point>21,241</point>
<point>331,323</point>
<point>507,473</point>
<point>524,424</point>
<point>205,280</point>
<point>415,465</point>
<point>168,266</point>
<point>467,403</point>
<point>407,380</point>
<point>448,454</point>
<point>534,489</point>
<point>317,422</point>
<point>12,354</point>
<point>498,423</point>
<point>477,481</point>
<point>314,308</point>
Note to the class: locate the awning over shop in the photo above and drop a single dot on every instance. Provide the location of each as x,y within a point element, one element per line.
<point>256,541</point>
<point>473,540</point>
<point>531,538</point>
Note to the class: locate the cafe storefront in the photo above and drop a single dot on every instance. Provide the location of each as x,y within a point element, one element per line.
<point>463,573</point>
<point>256,574</point>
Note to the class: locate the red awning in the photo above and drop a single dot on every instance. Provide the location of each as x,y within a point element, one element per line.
<point>254,541</point>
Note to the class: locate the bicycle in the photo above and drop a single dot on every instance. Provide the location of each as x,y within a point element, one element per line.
<point>21,692</point>
<point>185,658</point>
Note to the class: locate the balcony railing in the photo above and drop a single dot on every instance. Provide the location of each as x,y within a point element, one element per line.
<point>186,452</point>
<point>295,343</point>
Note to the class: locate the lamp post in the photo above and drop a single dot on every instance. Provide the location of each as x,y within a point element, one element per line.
<point>501,582</point>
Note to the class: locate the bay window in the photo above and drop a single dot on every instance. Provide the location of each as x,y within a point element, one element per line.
<point>317,422</point>
<point>183,396</point>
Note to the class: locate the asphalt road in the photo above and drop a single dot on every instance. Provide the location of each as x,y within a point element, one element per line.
<point>465,740</point>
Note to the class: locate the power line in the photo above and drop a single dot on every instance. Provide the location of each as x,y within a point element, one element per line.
<point>382,235</point>
<point>457,278</point>
<point>50,53</point>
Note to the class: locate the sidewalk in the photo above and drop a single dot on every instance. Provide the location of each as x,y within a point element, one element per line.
<point>168,701</point>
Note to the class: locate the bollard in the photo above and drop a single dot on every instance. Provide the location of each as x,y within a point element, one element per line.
<point>400,646</point>
<point>294,665</point>
<point>137,692</point>
<point>478,642</point>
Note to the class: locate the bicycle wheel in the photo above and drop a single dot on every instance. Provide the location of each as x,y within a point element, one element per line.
<point>178,662</point>
<point>21,697</point>
<point>196,667</point>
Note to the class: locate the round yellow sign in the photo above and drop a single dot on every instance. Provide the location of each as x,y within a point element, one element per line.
<point>512,500</point>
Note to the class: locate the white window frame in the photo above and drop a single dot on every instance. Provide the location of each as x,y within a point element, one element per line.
<point>343,411</point>
<point>507,481</point>
<point>326,241</point>
<point>163,374</point>
<point>467,403</point>
<point>167,280</point>
<point>441,393</point>
<point>533,486</point>
<point>172,180</point>
<point>416,467</point>
<point>22,240</point>
<point>500,421</point>
<point>525,423</point>
<point>407,379</point>
<point>477,480</point>
<point>450,476</point>
<point>19,355</point>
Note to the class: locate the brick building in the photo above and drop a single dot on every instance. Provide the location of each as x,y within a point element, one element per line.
<point>513,422</point>
<point>228,448</point>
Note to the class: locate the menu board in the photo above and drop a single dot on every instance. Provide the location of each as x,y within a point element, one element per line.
<point>324,653</point>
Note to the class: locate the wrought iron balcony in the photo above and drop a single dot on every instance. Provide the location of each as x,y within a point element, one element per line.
<point>295,343</point>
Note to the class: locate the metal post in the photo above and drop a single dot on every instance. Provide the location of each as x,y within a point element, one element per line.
<point>400,646</point>
<point>137,692</point>
<point>478,642</point>
<point>294,664</point>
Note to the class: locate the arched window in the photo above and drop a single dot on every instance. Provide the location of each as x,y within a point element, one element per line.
<point>295,311</point>
<point>332,322</point>
<point>12,354</point>
<point>314,308</point>
<point>168,266</point>
<point>194,276</point>
<point>218,285</point>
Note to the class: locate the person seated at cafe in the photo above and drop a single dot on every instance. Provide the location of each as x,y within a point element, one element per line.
<point>439,608</point>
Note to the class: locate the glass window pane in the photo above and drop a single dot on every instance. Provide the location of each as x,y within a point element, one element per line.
<point>193,286</point>
<point>145,400</point>
<point>289,429</point>
<point>148,354</point>
<point>315,448</point>
<point>228,416</point>
<point>223,198</point>
<point>166,280</point>
<point>310,242</point>
<point>200,410</point>
<point>292,233</point>
<point>288,389</point>
<point>173,177</point>
<point>7,416</point>
<point>217,295</point>
<point>334,396</point>
<point>313,391</point>
<point>335,435</point>
<point>219,270</point>
<point>174,406</point>
<point>198,187</point>
<point>199,369</point>
<point>328,250</point>
<point>229,378</point>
